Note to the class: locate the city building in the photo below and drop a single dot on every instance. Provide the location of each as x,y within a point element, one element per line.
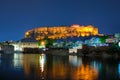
<point>20,45</point>
<point>28,44</point>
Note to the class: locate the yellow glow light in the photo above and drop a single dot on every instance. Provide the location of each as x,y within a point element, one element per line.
<point>62,32</point>
<point>42,43</point>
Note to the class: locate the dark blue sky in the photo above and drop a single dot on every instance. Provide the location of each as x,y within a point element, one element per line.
<point>18,16</point>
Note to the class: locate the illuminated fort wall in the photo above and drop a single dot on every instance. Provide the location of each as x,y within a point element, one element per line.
<point>59,32</point>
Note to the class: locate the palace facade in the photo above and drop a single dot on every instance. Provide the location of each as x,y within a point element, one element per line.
<point>61,32</point>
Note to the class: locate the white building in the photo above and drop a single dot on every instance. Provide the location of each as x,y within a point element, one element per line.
<point>25,43</point>
<point>110,40</point>
<point>73,50</point>
<point>19,46</point>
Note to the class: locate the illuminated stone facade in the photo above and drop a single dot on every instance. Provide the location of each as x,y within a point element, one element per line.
<point>59,32</point>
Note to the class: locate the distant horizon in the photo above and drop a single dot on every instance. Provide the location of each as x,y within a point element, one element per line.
<point>58,26</point>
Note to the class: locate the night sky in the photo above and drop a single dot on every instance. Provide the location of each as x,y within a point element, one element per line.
<point>18,16</point>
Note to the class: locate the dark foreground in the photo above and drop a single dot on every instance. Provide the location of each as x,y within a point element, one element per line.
<point>57,67</point>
